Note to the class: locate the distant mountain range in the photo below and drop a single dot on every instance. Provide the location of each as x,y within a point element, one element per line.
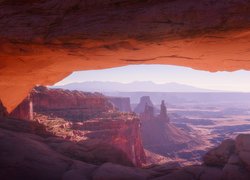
<point>137,86</point>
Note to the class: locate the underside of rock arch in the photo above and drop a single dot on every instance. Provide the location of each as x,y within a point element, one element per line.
<point>42,41</point>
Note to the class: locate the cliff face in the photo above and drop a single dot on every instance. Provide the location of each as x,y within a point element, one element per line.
<point>144,100</point>
<point>25,155</point>
<point>121,103</point>
<point>162,137</point>
<point>101,133</point>
<point>72,105</point>
<point>121,132</point>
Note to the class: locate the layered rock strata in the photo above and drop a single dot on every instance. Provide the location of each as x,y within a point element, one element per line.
<point>121,103</point>
<point>101,133</point>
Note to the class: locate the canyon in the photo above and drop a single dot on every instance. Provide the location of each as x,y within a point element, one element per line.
<point>106,146</point>
<point>43,41</point>
<point>99,132</point>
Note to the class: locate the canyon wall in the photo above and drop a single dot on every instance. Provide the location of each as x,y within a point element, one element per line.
<point>122,103</point>
<point>109,136</point>
<point>102,133</point>
<point>72,105</point>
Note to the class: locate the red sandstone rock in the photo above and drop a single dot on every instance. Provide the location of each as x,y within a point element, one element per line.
<point>145,100</point>
<point>243,148</point>
<point>26,156</point>
<point>121,103</point>
<point>107,136</point>
<point>72,105</point>
<point>113,139</point>
<point>159,135</point>
<point>44,41</point>
<point>3,111</point>
<point>219,156</point>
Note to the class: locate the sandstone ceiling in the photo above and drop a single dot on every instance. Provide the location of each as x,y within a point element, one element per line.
<point>42,41</point>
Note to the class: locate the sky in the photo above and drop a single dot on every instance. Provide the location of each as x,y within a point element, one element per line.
<point>228,81</point>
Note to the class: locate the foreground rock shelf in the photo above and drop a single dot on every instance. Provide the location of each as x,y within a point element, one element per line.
<point>26,153</point>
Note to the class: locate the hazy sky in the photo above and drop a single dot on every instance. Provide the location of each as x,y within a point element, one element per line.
<point>231,81</point>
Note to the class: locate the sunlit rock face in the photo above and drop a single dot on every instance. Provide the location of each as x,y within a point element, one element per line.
<point>41,42</point>
<point>85,125</point>
<point>72,105</point>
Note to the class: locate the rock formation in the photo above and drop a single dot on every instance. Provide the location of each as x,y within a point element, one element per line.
<point>148,113</point>
<point>144,100</point>
<point>163,112</point>
<point>72,105</point>
<point>27,154</point>
<point>206,35</point>
<point>232,156</point>
<point>3,111</point>
<point>121,103</point>
<point>102,133</point>
<point>23,110</point>
<point>160,136</point>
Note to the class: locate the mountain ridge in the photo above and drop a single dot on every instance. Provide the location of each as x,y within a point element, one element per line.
<point>135,86</point>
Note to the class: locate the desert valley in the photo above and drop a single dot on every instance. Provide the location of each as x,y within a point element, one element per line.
<point>179,133</point>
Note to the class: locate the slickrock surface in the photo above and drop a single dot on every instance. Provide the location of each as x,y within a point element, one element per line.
<point>27,154</point>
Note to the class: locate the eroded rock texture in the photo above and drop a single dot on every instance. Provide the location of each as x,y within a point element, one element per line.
<point>71,105</point>
<point>121,103</point>
<point>26,153</point>
<point>3,111</point>
<point>41,42</point>
<point>232,156</point>
<point>85,125</point>
<point>159,135</point>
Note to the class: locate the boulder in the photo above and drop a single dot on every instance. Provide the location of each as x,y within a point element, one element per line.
<point>219,156</point>
<point>26,156</point>
<point>243,142</point>
<point>234,160</point>
<point>243,148</point>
